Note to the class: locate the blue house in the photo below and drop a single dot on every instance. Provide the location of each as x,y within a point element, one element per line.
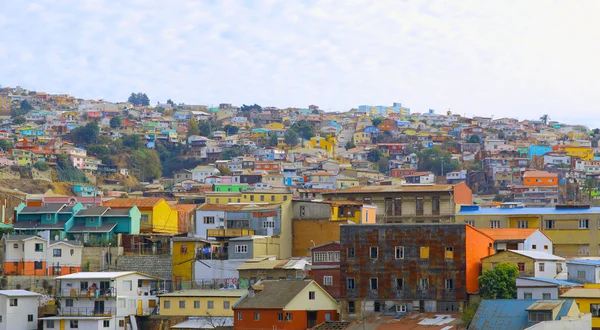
<point>54,217</point>
<point>101,223</point>
<point>371,129</point>
<point>538,150</point>
<point>84,190</point>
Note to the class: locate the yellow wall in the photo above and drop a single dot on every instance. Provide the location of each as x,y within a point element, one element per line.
<point>355,217</point>
<point>183,263</point>
<point>532,222</point>
<point>584,307</point>
<point>325,143</point>
<point>164,218</point>
<point>581,152</point>
<point>224,198</point>
<point>323,301</point>
<point>511,258</point>
<point>266,197</point>
<point>347,183</point>
<point>189,309</point>
<point>361,138</point>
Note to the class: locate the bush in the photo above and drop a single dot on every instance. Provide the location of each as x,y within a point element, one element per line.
<point>42,166</point>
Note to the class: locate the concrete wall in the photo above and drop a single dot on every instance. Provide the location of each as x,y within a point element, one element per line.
<point>317,231</point>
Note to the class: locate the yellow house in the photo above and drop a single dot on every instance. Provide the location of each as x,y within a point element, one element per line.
<point>584,153</point>
<point>157,215</point>
<point>343,182</point>
<point>325,143</point>
<point>216,303</point>
<point>184,254</point>
<point>588,300</point>
<point>269,196</point>
<point>360,137</point>
<point>275,126</point>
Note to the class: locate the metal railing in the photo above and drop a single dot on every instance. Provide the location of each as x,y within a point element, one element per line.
<point>88,311</point>
<point>98,293</point>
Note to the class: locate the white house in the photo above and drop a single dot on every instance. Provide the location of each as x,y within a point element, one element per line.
<point>200,173</point>
<point>209,217</point>
<point>545,265</point>
<point>64,257</point>
<point>542,288</point>
<point>18,309</point>
<point>102,300</point>
<point>519,239</point>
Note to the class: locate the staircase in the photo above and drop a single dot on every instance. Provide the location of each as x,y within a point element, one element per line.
<point>332,325</point>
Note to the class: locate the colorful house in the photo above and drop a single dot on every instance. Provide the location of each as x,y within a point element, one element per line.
<point>293,304</point>
<point>325,143</point>
<point>583,153</point>
<point>588,300</point>
<point>199,303</point>
<point>157,216</point>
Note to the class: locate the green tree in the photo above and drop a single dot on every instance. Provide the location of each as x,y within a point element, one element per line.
<point>207,127</point>
<point>5,145</point>
<point>230,129</point>
<point>133,141</point>
<point>499,282</point>
<point>350,145</point>
<point>86,134</point>
<point>245,109</point>
<point>99,151</point>
<point>474,139</point>
<point>589,186</point>
<point>23,109</point>
<point>384,165</point>
<point>273,140</point>
<point>169,101</point>
<point>377,121</point>
<point>545,118</point>
<point>139,99</point>
<point>42,166</point>
<point>193,128</point>
<point>115,122</point>
<point>374,156</point>
<point>19,120</point>
<point>469,312</point>
<point>433,159</point>
<point>147,163</point>
<point>291,138</point>
<point>304,129</point>
<point>230,153</point>
<point>224,170</point>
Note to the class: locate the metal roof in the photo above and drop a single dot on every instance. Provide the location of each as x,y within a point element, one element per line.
<point>205,293</point>
<point>92,211</point>
<point>590,262</point>
<point>551,281</point>
<point>538,255</point>
<point>82,228</point>
<point>545,305</point>
<point>19,293</point>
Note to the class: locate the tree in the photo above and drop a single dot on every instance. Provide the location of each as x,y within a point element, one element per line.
<point>19,121</point>
<point>230,153</point>
<point>499,282</point>
<point>350,145</point>
<point>384,165</point>
<point>304,129</point>
<point>474,139</point>
<point>115,122</point>
<point>224,170</point>
<point>169,101</point>
<point>273,140</point>
<point>374,156</point>
<point>469,312</point>
<point>435,159</point>
<point>22,110</point>
<point>545,118</point>
<point>193,128</point>
<point>5,145</point>
<point>246,109</point>
<point>147,163</point>
<point>86,134</point>
<point>589,186</point>
<point>133,141</point>
<point>42,166</point>
<point>230,129</point>
<point>377,121</point>
<point>139,99</point>
<point>291,138</point>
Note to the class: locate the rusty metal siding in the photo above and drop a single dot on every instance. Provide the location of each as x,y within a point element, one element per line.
<point>412,268</point>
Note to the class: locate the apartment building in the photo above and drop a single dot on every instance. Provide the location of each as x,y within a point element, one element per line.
<point>18,309</point>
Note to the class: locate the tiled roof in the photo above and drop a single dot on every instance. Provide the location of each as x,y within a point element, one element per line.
<point>130,202</point>
<point>274,294</point>
<point>539,174</point>
<point>503,234</point>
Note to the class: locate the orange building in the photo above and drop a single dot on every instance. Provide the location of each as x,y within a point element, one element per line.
<point>540,179</point>
<point>285,304</point>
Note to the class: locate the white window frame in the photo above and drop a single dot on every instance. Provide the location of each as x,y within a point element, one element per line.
<point>522,224</point>
<point>584,224</point>
<point>327,280</point>
<point>241,249</point>
<point>494,224</point>
<point>400,308</point>
<point>423,284</point>
<point>399,252</point>
<point>210,220</point>
<point>268,224</point>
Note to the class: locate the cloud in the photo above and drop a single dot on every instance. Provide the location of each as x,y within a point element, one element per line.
<point>503,58</point>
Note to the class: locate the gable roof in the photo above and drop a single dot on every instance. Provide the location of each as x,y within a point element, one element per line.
<point>507,234</point>
<point>274,294</point>
<point>130,202</point>
<point>511,314</point>
<point>538,255</point>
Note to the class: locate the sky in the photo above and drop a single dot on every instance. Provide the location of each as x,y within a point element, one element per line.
<point>499,58</point>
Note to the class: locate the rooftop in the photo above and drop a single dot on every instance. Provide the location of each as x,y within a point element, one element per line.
<point>130,202</point>
<point>97,275</point>
<point>272,294</point>
<point>205,293</point>
<point>506,234</point>
<point>386,189</point>
<point>19,293</point>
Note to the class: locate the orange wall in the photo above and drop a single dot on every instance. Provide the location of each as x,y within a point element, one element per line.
<point>26,268</point>
<point>319,231</point>
<point>544,182</point>
<point>477,245</point>
<point>268,319</point>
<point>64,270</point>
<point>463,194</point>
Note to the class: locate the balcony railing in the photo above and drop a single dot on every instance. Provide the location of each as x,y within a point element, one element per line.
<point>91,293</point>
<point>88,311</point>
<point>230,232</point>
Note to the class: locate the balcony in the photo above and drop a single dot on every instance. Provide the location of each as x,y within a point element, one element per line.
<point>230,232</point>
<point>89,293</point>
<point>88,311</point>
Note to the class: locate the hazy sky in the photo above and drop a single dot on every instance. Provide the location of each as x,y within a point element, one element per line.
<point>500,58</point>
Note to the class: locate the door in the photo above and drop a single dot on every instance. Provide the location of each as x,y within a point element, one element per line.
<point>311,318</point>
<point>98,307</point>
<point>139,307</point>
<point>270,226</point>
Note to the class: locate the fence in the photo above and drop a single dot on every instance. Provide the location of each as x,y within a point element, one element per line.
<point>87,311</point>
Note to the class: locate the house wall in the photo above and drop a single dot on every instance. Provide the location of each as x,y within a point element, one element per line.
<point>584,307</point>
<point>511,258</point>
<point>540,241</point>
<point>268,319</point>
<point>183,262</point>
<point>536,288</point>
<point>70,255</point>
<point>334,289</point>
<point>15,317</point>
<point>216,269</point>
<point>477,246</point>
<point>189,310</point>
<point>164,218</point>
<point>592,273</point>
<point>319,231</point>
<point>201,227</point>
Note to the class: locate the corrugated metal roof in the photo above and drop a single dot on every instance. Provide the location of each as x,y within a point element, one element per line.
<point>130,202</point>
<point>508,314</point>
<point>205,293</point>
<point>538,255</point>
<point>545,305</point>
<point>591,262</point>
<point>581,293</point>
<point>552,281</point>
<point>274,294</point>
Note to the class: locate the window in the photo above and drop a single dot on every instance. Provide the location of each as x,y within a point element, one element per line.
<point>350,252</point>
<point>374,252</point>
<point>399,284</point>
<point>521,266</point>
<point>350,283</point>
<point>540,316</point>
<point>533,246</point>
<point>182,304</point>
<point>37,265</point>
<point>272,198</point>
<point>522,224</point>
<point>14,302</point>
<point>226,304</point>
<point>367,200</point>
<point>16,245</point>
<point>449,284</point>
<point>374,283</point>
<point>494,223</point>
<point>595,310</point>
<point>252,198</point>
<point>388,206</point>
<point>106,323</point>
<point>268,224</point>
<point>424,252</point>
<point>327,280</point>
<point>546,296</point>
<point>329,256</point>
<point>241,249</point>
<point>57,253</point>
<point>167,304</point>
<point>420,202</point>
<point>398,206</point>
<point>69,302</point>
<point>351,309</point>
<point>262,198</point>
<point>72,251</point>
<point>311,295</point>
<point>239,315</point>
<point>550,224</point>
<point>211,304</point>
<point>49,324</point>
<point>400,308</point>
<point>144,217</point>
<point>470,223</point>
<point>39,247</point>
<point>545,247</point>
<point>584,224</point>
<point>327,316</point>
<point>209,220</point>
<point>424,284</point>
<point>449,252</point>
<point>121,323</point>
<point>256,316</point>
<point>74,324</point>
<point>584,250</point>
<point>183,249</point>
<point>435,205</point>
<point>30,318</point>
<point>527,295</point>
<point>580,275</point>
<point>541,266</point>
<point>399,252</point>
<point>128,285</point>
<point>288,317</point>
<point>285,199</point>
<point>280,317</point>
<point>48,216</point>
